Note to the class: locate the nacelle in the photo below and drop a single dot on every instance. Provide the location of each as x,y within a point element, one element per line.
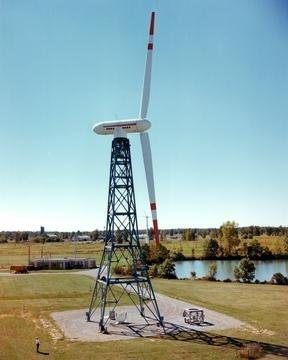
<point>128,126</point>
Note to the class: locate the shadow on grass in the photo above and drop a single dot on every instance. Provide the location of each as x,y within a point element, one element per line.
<point>182,333</point>
<point>43,353</point>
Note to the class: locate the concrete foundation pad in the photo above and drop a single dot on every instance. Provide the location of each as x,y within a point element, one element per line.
<point>74,326</point>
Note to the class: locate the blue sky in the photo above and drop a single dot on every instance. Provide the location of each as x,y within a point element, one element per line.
<point>218,109</point>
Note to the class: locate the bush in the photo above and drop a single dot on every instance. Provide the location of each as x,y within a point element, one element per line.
<point>177,255</point>
<point>237,273</point>
<point>153,270</point>
<point>122,270</point>
<point>251,351</point>
<point>39,239</point>
<point>3,240</point>
<point>212,272</point>
<point>279,279</point>
<point>193,275</point>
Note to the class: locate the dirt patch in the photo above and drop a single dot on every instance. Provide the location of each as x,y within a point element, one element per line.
<point>53,330</point>
<point>258,331</point>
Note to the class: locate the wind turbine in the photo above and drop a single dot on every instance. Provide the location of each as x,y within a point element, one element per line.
<point>122,250</point>
<point>120,128</point>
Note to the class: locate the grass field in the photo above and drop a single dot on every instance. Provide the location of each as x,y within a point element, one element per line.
<point>12,253</point>
<point>27,300</point>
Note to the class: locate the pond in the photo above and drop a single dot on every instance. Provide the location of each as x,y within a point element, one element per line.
<point>264,268</point>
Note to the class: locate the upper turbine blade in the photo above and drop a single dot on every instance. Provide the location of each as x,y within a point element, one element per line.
<point>147,158</point>
<point>147,74</point>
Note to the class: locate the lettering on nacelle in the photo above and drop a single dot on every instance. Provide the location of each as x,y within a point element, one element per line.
<point>113,128</point>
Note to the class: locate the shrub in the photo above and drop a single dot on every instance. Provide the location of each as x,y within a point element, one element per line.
<point>212,272</point>
<point>122,270</point>
<point>237,273</point>
<point>193,275</point>
<point>153,270</point>
<point>251,351</point>
<point>279,279</point>
<point>177,255</point>
<point>3,240</point>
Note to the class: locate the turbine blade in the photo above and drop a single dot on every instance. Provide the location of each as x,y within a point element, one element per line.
<point>147,74</point>
<point>147,158</point>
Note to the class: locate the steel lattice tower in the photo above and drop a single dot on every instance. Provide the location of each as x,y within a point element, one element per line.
<point>122,251</point>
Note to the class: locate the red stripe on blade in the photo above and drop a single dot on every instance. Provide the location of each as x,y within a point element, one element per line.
<point>153,206</point>
<point>156,232</point>
<point>151,32</point>
<point>150,46</point>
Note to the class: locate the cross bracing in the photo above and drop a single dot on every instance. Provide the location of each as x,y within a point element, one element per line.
<point>122,269</point>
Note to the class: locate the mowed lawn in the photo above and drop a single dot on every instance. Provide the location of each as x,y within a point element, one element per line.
<point>264,307</point>
<point>27,300</point>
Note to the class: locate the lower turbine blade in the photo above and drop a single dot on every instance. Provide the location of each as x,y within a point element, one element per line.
<point>147,158</point>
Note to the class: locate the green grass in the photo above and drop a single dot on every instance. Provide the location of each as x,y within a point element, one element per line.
<point>188,248</point>
<point>25,300</point>
<point>262,306</point>
<point>11,253</point>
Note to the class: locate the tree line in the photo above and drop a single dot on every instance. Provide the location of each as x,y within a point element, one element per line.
<point>246,232</point>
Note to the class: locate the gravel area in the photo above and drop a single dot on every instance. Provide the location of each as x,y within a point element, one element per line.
<point>74,326</point>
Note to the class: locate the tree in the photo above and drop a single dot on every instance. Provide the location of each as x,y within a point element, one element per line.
<point>166,270</point>
<point>229,238</point>
<point>188,235</point>
<point>254,250</point>
<point>94,235</point>
<point>171,232</point>
<point>162,236</point>
<point>286,244</point>
<point>3,239</point>
<point>146,252</point>
<point>212,271</point>
<point>155,254</point>
<point>210,248</point>
<point>177,255</point>
<point>151,233</point>
<point>245,270</point>
<point>121,236</point>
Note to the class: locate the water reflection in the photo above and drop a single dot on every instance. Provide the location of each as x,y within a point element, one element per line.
<point>264,269</point>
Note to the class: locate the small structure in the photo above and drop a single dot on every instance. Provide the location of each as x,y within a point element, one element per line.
<point>193,316</point>
<point>18,269</point>
<point>63,263</point>
<point>82,238</point>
